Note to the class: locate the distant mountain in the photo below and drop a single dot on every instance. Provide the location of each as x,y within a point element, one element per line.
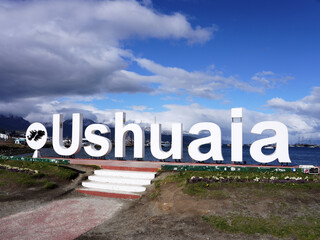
<point>13,123</point>
<point>18,123</point>
<point>166,136</point>
<point>67,132</point>
<point>67,127</point>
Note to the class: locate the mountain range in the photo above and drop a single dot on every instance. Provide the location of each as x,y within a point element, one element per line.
<point>14,123</point>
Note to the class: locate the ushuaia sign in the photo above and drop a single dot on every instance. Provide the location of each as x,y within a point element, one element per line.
<point>37,136</point>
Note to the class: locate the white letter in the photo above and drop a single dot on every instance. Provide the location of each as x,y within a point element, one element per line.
<point>214,139</point>
<point>105,143</point>
<point>176,145</point>
<point>120,134</point>
<point>236,135</point>
<point>280,139</point>
<point>57,135</point>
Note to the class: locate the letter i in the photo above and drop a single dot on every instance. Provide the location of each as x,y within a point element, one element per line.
<point>236,135</point>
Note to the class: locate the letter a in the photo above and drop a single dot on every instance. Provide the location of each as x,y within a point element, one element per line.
<point>214,140</point>
<point>280,139</point>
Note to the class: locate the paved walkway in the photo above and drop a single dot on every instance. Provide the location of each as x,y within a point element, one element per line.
<point>117,163</point>
<point>59,220</point>
<point>157,165</point>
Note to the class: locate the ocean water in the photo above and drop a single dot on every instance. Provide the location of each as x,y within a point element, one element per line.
<point>298,155</point>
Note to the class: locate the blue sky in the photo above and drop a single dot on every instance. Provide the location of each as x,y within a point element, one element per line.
<point>252,36</point>
<point>186,61</point>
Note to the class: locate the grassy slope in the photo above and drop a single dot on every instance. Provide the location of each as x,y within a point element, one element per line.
<point>291,213</point>
<point>48,176</point>
<point>8,148</point>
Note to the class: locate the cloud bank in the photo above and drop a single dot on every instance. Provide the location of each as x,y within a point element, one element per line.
<point>58,48</point>
<point>75,48</point>
<point>304,114</point>
<point>186,114</point>
<point>269,79</point>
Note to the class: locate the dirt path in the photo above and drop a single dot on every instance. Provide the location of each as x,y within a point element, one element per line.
<point>60,219</point>
<point>173,216</point>
<point>61,213</point>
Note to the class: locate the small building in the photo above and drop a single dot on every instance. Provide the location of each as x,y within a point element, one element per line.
<point>20,141</point>
<point>4,136</point>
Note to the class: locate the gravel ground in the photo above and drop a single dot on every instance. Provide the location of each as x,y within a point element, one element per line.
<point>60,219</point>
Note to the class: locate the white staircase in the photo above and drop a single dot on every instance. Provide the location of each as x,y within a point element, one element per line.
<point>117,183</point>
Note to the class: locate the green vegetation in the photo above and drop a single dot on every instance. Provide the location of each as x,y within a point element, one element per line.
<point>184,175</point>
<point>157,191</point>
<point>50,185</point>
<point>233,180</point>
<point>9,148</point>
<point>305,227</point>
<point>27,174</point>
<point>204,190</point>
<point>44,168</point>
<point>159,183</point>
<point>285,200</point>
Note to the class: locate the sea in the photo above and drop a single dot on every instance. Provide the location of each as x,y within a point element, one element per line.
<point>298,155</point>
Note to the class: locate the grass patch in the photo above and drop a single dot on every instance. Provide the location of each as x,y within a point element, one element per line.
<point>44,168</point>
<point>220,190</point>
<point>50,185</point>
<point>282,209</point>
<point>46,172</point>
<point>305,228</point>
<point>8,148</point>
<point>220,194</point>
<point>199,189</point>
<point>169,179</point>
<point>205,190</point>
<point>38,175</point>
<point>10,145</point>
<point>157,189</point>
<point>16,178</point>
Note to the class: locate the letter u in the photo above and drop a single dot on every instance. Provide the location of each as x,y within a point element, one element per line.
<point>57,134</point>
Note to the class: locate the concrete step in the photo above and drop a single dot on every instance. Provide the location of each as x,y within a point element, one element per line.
<point>125,174</point>
<point>113,186</point>
<point>121,180</point>
<point>128,168</point>
<point>109,193</point>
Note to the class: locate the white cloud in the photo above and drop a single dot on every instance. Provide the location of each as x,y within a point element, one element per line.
<point>200,84</point>
<point>302,115</point>
<point>269,79</point>
<point>308,106</point>
<point>117,100</point>
<point>187,114</point>
<point>66,48</point>
<point>139,108</point>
